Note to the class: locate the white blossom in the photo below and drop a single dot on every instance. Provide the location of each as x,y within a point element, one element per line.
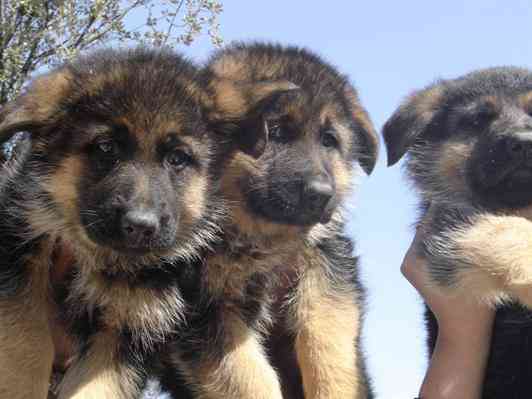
<point>37,33</point>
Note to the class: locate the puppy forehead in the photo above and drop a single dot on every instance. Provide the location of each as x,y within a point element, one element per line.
<point>477,103</point>
<point>150,134</point>
<point>170,132</point>
<point>499,103</point>
<point>309,109</point>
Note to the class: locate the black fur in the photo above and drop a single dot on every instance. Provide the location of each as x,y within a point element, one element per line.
<point>479,109</point>
<point>166,142</point>
<point>294,138</point>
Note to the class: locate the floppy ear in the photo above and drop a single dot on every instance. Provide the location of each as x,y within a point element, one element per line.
<point>411,120</point>
<point>232,100</point>
<point>36,107</point>
<point>267,102</point>
<point>239,108</point>
<point>368,138</point>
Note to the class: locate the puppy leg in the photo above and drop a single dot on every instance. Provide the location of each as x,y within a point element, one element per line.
<point>327,325</point>
<point>489,257</point>
<point>234,367</point>
<point>26,350</point>
<point>101,373</point>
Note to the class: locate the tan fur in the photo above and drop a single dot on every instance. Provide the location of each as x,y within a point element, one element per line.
<point>25,371</point>
<point>228,100</point>
<point>361,116</point>
<point>195,194</point>
<point>428,102</point>
<point>34,333</point>
<point>255,245</point>
<point>343,177</point>
<point>151,313</point>
<point>231,67</point>
<point>451,166</point>
<point>258,91</point>
<point>38,107</point>
<point>62,185</point>
<point>232,98</point>
<point>326,327</point>
<point>244,372</point>
<point>525,101</point>
<point>227,275</point>
<point>501,248</point>
<point>237,67</point>
<point>56,86</point>
<point>237,167</point>
<point>99,375</point>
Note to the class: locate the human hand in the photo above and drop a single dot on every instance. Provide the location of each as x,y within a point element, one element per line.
<point>459,359</point>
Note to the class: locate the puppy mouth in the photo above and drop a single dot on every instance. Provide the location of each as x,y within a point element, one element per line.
<point>507,184</point>
<point>509,174</point>
<point>507,162</point>
<point>520,175</point>
<point>285,212</point>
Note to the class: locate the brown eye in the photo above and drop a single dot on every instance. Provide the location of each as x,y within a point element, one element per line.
<point>178,159</point>
<point>329,140</point>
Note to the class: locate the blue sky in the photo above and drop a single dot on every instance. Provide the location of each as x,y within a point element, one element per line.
<point>389,48</point>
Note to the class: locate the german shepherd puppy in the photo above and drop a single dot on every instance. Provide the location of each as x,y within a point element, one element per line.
<point>469,142</point>
<point>282,291</point>
<point>113,197</point>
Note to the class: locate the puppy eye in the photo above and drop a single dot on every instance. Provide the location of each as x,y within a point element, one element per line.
<point>178,159</point>
<point>275,131</point>
<point>480,115</point>
<point>106,147</point>
<point>479,119</point>
<point>105,153</point>
<point>329,140</point>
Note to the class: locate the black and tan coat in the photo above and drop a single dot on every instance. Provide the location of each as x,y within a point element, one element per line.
<point>101,221</point>
<point>469,146</point>
<point>279,306</point>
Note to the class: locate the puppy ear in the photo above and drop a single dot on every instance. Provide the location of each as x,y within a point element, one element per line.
<point>269,102</point>
<point>368,139</point>
<point>239,108</point>
<point>233,100</point>
<point>411,120</point>
<point>38,106</point>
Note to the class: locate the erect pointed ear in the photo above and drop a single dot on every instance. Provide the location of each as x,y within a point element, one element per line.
<point>411,120</point>
<point>239,108</point>
<point>367,138</point>
<point>38,106</point>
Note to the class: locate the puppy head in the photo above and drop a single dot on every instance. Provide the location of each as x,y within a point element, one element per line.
<point>469,139</point>
<point>120,153</point>
<point>295,147</point>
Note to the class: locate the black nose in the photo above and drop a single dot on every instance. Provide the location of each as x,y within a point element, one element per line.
<point>317,193</point>
<point>519,145</point>
<point>140,227</point>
